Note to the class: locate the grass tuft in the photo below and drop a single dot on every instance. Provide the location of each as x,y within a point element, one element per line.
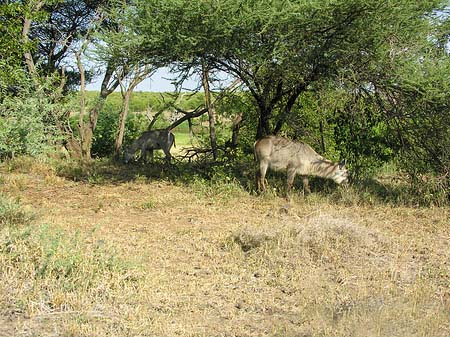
<point>46,271</point>
<point>12,214</point>
<point>248,240</point>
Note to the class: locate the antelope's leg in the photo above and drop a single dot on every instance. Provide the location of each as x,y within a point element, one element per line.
<point>261,175</point>
<point>306,188</point>
<point>290,178</point>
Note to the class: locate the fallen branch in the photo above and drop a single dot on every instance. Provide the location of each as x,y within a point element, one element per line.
<point>195,152</point>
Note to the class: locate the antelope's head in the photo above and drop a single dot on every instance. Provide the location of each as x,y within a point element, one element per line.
<point>127,157</point>
<point>340,175</point>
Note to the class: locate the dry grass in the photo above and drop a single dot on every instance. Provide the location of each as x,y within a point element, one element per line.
<point>151,258</point>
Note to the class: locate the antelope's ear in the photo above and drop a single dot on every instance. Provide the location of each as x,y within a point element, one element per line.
<point>342,163</point>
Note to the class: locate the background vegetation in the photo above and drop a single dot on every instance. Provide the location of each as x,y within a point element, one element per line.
<point>344,81</point>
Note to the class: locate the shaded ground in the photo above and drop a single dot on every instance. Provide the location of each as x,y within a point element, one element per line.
<point>217,261</point>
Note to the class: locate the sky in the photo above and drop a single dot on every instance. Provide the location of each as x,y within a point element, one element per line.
<point>159,82</point>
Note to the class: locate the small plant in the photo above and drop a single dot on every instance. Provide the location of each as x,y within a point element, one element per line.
<point>12,214</point>
<point>96,178</point>
<point>148,205</point>
<point>140,179</point>
<point>60,263</point>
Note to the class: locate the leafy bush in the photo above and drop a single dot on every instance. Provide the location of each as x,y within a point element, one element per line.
<point>106,132</point>
<point>362,136</point>
<point>27,124</point>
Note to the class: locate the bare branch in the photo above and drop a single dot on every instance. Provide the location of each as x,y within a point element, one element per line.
<point>198,112</point>
<point>25,39</point>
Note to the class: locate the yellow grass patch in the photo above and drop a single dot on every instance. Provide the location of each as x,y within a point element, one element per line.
<point>151,258</point>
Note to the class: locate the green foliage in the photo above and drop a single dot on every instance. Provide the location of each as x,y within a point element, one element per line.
<point>362,136</point>
<point>11,45</point>
<point>229,108</point>
<point>142,101</point>
<point>106,131</point>
<point>423,117</point>
<point>153,101</point>
<point>404,114</point>
<point>10,76</point>
<point>282,48</point>
<point>28,124</point>
<point>105,134</point>
<point>12,214</point>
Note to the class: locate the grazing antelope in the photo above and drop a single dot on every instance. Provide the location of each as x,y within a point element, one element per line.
<point>151,140</point>
<point>279,153</point>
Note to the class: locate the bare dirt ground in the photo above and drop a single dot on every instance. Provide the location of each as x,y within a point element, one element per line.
<point>221,262</point>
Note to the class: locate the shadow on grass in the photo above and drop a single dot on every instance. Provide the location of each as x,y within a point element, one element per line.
<point>107,171</point>
<point>393,190</point>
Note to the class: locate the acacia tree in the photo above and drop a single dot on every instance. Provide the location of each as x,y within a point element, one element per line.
<point>109,83</point>
<point>121,46</point>
<point>178,42</point>
<point>283,48</point>
<point>65,25</point>
<point>115,51</point>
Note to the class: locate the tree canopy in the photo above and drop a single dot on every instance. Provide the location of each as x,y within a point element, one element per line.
<point>281,49</point>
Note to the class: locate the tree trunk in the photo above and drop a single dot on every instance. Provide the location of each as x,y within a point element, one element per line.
<point>81,122</point>
<point>288,107</point>
<point>322,137</point>
<point>263,123</point>
<point>191,131</point>
<point>73,147</point>
<point>88,130</point>
<point>122,120</point>
<point>236,127</point>
<point>210,107</point>
<point>139,75</point>
<point>25,39</point>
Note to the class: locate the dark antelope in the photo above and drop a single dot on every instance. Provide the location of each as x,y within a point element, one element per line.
<point>151,140</point>
<point>279,153</point>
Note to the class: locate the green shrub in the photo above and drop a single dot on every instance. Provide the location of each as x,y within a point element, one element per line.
<point>60,264</point>
<point>106,132</point>
<point>12,214</point>
<point>27,125</point>
<point>362,136</point>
